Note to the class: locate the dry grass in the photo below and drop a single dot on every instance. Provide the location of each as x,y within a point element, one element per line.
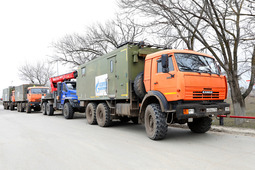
<point>250,111</point>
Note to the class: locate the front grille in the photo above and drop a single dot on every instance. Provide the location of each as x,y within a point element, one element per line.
<point>201,95</point>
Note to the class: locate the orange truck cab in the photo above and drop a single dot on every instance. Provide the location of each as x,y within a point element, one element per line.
<point>13,103</point>
<point>34,95</point>
<point>187,84</point>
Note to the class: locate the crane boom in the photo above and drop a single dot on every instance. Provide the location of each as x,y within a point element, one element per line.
<point>61,78</point>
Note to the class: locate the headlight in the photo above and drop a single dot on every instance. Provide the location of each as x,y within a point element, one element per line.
<point>188,111</point>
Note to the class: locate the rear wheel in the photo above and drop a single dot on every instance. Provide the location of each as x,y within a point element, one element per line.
<point>11,107</point>
<point>28,108</point>
<point>103,115</point>
<point>49,109</point>
<point>200,125</point>
<point>155,122</point>
<point>22,108</point>
<point>68,111</point>
<point>91,113</point>
<point>44,104</point>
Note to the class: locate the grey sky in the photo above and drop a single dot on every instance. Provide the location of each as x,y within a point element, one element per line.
<point>28,28</point>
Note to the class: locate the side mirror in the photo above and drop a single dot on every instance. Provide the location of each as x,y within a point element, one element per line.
<point>164,62</point>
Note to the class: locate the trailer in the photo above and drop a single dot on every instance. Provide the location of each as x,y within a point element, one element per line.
<point>7,94</point>
<point>153,86</point>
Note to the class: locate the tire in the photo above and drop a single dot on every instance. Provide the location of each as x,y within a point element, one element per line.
<point>28,108</point>
<point>49,109</point>
<point>103,115</point>
<point>200,125</point>
<point>43,108</point>
<point>139,86</point>
<point>22,109</point>
<point>91,113</point>
<point>124,119</point>
<point>155,122</point>
<point>11,107</point>
<point>68,111</point>
<point>18,107</point>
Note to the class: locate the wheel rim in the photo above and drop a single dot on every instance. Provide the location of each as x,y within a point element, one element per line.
<point>101,115</point>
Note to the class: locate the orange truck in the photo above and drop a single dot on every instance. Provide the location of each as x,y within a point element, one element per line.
<point>156,87</point>
<point>28,97</point>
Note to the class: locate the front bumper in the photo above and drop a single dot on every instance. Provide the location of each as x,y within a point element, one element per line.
<point>201,110</point>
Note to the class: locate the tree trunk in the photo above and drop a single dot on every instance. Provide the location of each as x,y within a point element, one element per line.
<point>237,98</point>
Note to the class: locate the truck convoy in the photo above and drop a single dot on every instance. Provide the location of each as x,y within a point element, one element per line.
<point>157,87</point>
<point>143,83</point>
<point>62,97</point>
<point>25,97</point>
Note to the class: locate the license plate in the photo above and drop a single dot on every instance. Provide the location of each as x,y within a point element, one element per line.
<point>211,110</point>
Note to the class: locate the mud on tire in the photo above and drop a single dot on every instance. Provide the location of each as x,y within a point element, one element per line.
<point>200,125</point>
<point>68,111</point>
<point>91,113</point>
<point>155,122</point>
<point>103,115</point>
<point>139,86</point>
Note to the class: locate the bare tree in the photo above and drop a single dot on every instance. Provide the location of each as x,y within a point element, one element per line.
<point>223,28</point>
<point>36,74</point>
<point>99,39</point>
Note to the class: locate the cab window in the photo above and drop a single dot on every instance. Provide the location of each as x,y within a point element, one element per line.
<point>170,65</point>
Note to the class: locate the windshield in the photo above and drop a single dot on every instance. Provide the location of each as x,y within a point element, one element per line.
<point>39,91</point>
<point>71,86</point>
<point>196,63</point>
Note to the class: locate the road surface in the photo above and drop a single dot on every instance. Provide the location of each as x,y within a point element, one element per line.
<point>37,142</point>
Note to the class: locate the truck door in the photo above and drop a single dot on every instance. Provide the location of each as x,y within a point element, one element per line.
<point>63,93</point>
<point>164,82</point>
<point>111,89</point>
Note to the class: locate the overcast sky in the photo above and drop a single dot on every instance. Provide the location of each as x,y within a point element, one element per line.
<point>28,28</point>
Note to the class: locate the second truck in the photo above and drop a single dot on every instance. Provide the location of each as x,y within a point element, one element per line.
<point>157,87</point>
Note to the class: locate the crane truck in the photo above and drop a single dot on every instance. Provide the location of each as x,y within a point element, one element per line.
<point>157,86</point>
<point>62,97</point>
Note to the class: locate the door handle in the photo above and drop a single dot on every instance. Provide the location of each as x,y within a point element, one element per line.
<point>155,82</point>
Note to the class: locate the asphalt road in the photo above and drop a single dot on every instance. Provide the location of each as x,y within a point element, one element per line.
<point>34,142</point>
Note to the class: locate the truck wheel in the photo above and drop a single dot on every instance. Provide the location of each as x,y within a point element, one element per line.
<point>200,125</point>
<point>49,109</point>
<point>28,108</point>
<point>44,104</point>
<point>22,109</point>
<point>18,107</point>
<point>139,86</point>
<point>103,115</point>
<point>91,113</point>
<point>155,122</point>
<point>11,107</point>
<point>68,111</point>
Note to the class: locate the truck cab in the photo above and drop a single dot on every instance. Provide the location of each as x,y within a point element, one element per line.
<point>67,93</point>
<point>34,95</point>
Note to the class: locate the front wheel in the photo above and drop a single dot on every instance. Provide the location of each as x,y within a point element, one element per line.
<point>155,122</point>
<point>68,111</point>
<point>28,108</point>
<point>200,125</point>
